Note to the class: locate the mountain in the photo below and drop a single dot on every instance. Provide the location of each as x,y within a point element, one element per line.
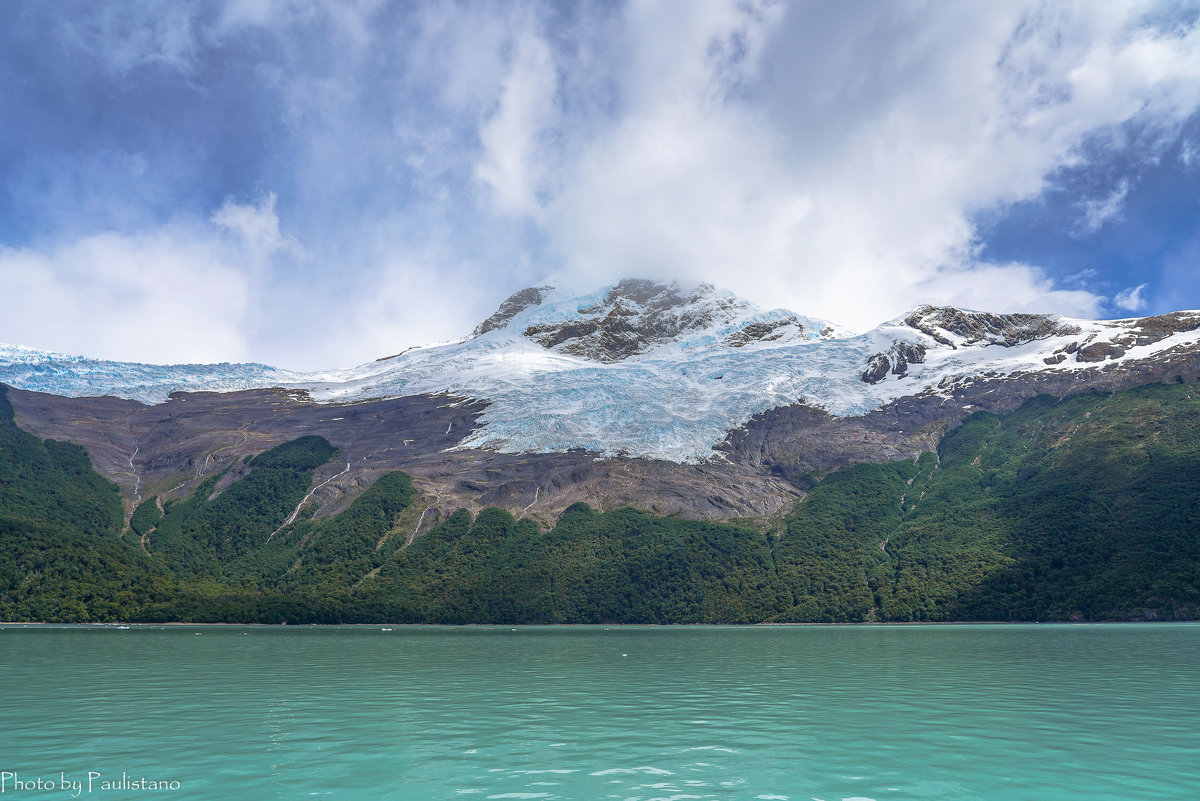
<point>679,399</point>
<point>647,452</point>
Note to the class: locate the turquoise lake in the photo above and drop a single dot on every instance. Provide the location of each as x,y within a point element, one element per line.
<point>983,712</point>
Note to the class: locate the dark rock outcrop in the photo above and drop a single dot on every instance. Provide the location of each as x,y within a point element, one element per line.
<point>634,316</point>
<point>766,331</point>
<point>511,307</point>
<point>897,358</point>
<point>984,327</point>
<point>1148,330</point>
<point>877,369</point>
<point>1098,352</point>
<point>1138,332</point>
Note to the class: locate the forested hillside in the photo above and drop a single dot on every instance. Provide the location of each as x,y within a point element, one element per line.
<point>1086,508</point>
<point>61,554</point>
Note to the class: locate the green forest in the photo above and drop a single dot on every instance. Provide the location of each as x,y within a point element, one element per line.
<point>1083,508</point>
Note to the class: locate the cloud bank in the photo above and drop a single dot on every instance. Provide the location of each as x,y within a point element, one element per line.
<point>315,184</point>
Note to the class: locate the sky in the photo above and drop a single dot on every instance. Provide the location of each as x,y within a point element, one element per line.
<point>314,184</point>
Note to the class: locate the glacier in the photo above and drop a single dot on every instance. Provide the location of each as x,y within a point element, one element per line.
<point>673,398</point>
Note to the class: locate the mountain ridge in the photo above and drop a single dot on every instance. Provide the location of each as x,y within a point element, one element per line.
<point>686,422</point>
<point>640,453</point>
<point>562,370</point>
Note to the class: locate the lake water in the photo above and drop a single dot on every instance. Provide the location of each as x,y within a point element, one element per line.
<point>841,712</point>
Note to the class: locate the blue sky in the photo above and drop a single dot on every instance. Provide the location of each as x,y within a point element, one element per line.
<point>314,184</point>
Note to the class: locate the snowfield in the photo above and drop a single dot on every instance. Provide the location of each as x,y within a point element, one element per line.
<point>674,400</point>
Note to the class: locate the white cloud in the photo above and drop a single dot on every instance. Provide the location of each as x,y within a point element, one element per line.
<point>1131,299</point>
<point>176,294</point>
<point>1007,288</point>
<point>1080,279</point>
<point>824,156</point>
<point>834,166</point>
<point>410,301</point>
<point>465,65</point>
<point>509,165</point>
<point>1188,154</point>
<point>1098,212</point>
<point>256,224</point>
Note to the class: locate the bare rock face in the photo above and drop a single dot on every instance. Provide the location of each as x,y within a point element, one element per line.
<point>1136,333</point>
<point>792,441</point>
<point>1148,330</point>
<point>634,316</point>
<point>169,449</point>
<point>897,358</point>
<point>511,307</point>
<point>767,331</point>
<point>984,327</point>
<point>877,369</point>
<point>1098,352</point>
<point>1143,331</point>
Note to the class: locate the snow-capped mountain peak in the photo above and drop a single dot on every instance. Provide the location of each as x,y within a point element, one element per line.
<point>662,370</point>
<point>636,316</point>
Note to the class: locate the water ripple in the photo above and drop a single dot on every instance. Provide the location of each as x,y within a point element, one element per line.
<point>885,713</point>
